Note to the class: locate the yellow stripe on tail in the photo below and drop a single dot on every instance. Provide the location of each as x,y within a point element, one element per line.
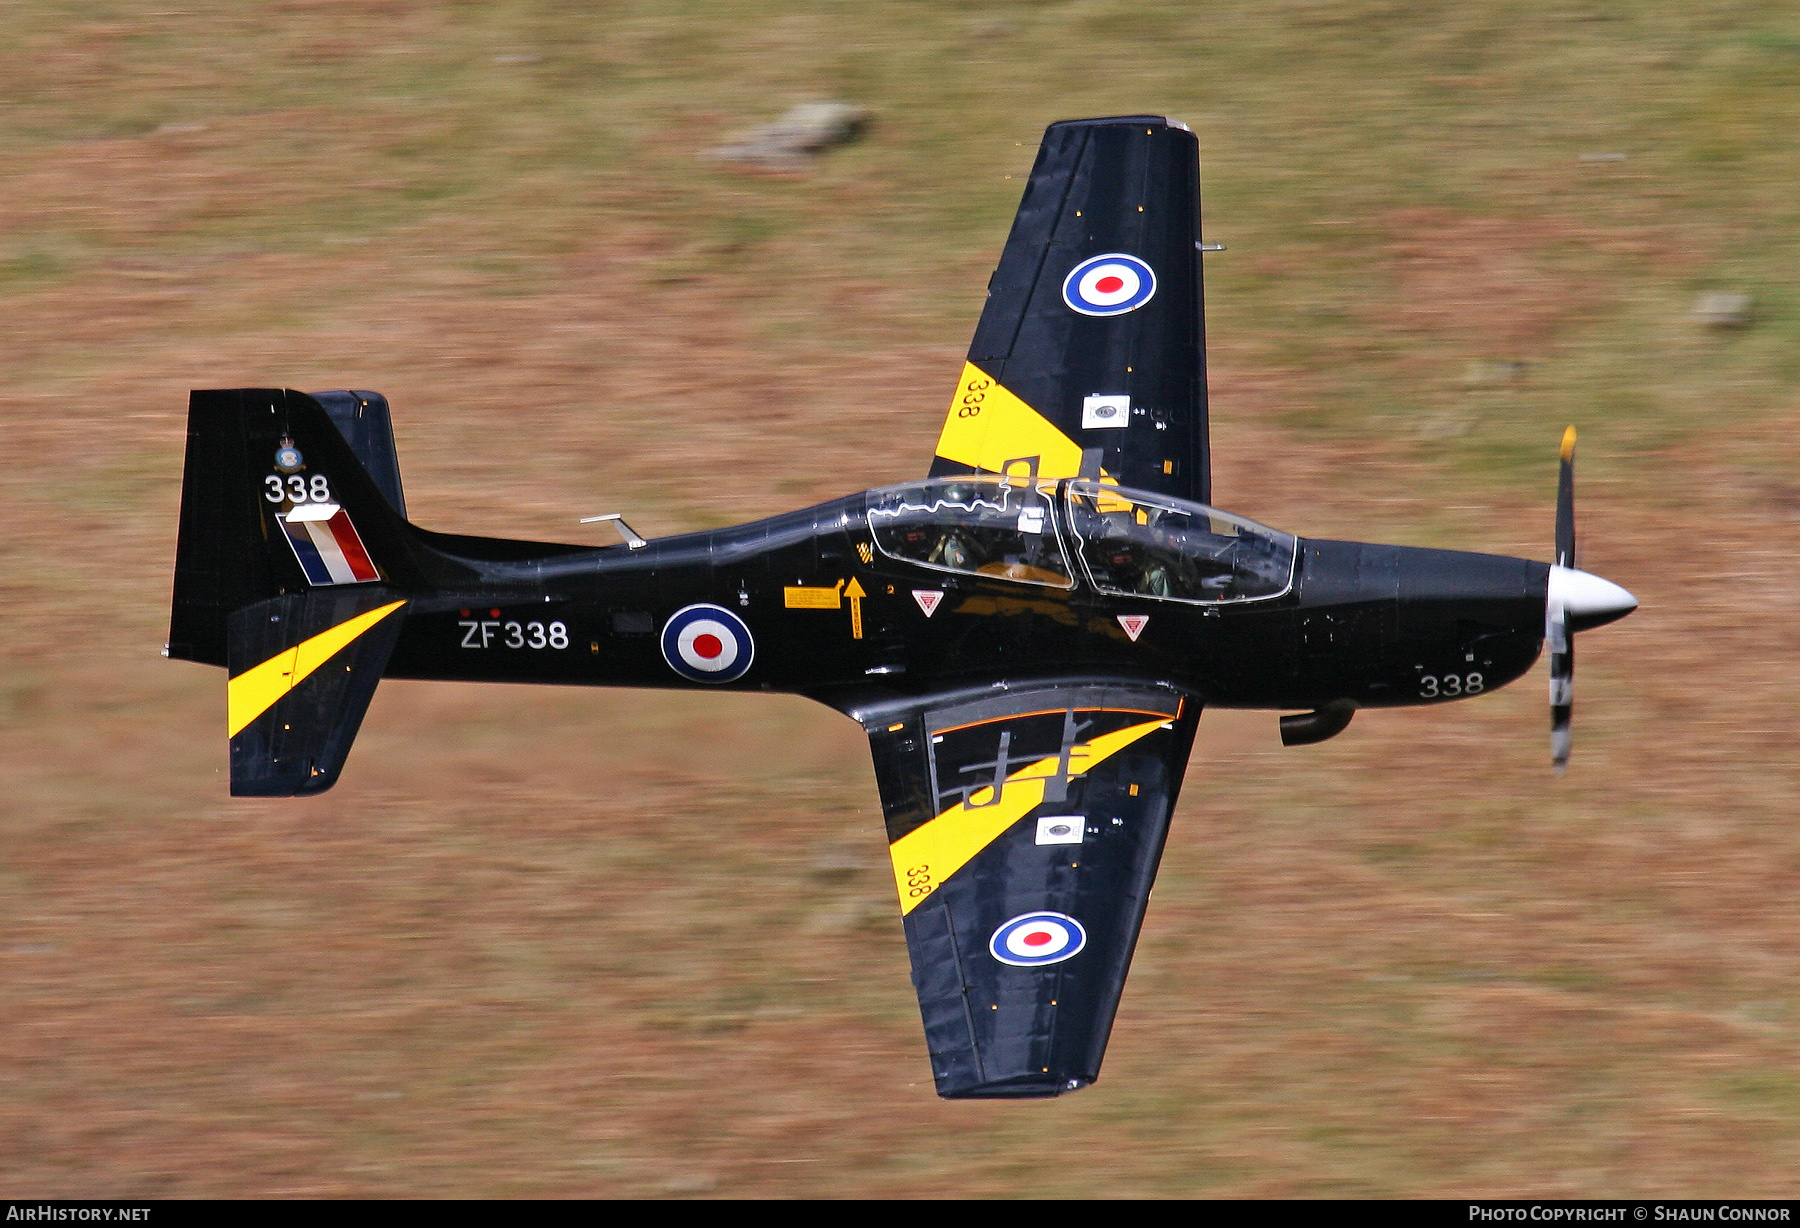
<point>255,691</point>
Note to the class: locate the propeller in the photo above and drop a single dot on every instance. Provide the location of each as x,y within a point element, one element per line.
<point>1556,613</point>
<point>1573,601</point>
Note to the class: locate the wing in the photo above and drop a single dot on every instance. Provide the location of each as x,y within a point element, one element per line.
<point>1090,355</point>
<point>1025,825</point>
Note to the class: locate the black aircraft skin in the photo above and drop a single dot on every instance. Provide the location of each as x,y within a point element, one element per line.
<point>1028,635</point>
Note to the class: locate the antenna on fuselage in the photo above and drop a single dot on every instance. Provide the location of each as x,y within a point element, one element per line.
<point>630,534</point>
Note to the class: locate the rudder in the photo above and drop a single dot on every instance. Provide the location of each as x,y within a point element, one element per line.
<point>362,418</point>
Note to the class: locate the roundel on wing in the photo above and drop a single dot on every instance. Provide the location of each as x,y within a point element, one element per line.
<point>707,643</point>
<point>1109,285</point>
<point>1037,938</point>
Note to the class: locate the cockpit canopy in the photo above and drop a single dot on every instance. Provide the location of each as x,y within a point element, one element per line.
<point>986,526</point>
<point>1130,542</point>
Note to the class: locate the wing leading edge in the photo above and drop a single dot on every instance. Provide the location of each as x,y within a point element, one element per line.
<point>1025,825</point>
<point>1090,354</point>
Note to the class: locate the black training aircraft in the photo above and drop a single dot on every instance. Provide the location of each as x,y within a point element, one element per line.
<point>1028,635</point>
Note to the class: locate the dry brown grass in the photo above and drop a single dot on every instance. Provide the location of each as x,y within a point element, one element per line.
<point>614,943</point>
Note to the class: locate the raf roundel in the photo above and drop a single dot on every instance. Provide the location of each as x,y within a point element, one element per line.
<point>1037,938</point>
<point>707,643</point>
<point>1109,285</point>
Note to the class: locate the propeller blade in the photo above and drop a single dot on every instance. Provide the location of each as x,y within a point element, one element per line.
<point>1562,683</point>
<point>1565,503</point>
<point>1556,614</point>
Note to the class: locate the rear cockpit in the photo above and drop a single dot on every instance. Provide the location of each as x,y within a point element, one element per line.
<point>1032,531</point>
<point>986,526</point>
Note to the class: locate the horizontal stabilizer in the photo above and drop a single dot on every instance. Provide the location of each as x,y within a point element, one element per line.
<point>303,669</point>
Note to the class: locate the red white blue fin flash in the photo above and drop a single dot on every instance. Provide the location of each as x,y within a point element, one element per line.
<point>327,545</point>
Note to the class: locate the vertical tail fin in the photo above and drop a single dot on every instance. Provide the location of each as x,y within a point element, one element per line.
<point>293,561</point>
<point>275,500</point>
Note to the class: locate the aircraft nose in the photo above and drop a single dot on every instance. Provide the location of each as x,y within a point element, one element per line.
<point>1590,600</point>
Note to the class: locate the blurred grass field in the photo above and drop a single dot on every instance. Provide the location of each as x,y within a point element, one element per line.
<point>546,942</point>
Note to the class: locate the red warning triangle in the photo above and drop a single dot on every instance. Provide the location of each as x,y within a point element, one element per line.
<point>928,599</point>
<point>1133,624</point>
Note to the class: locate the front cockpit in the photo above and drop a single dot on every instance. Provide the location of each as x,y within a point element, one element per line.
<point>1052,532</point>
<point>1158,546</point>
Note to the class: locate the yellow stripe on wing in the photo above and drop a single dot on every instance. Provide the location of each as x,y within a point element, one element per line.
<point>989,426</point>
<point>255,691</point>
<point>930,854</point>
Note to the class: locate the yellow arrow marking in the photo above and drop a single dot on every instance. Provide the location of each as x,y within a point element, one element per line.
<point>925,857</point>
<point>255,691</point>
<point>854,591</point>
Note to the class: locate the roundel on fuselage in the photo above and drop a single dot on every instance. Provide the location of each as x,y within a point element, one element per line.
<point>707,643</point>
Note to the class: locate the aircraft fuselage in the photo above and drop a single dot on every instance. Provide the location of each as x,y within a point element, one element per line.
<point>1377,626</point>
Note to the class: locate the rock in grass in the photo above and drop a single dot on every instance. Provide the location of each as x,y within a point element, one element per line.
<point>1492,373</point>
<point>1723,310</point>
<point>791,142</point>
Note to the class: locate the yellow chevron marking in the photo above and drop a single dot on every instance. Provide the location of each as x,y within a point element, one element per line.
<point>255,691</point>
<point>930,854</point>
<point>988,426</point>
